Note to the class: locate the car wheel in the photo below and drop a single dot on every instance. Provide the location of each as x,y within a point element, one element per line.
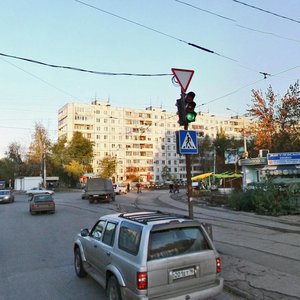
<point>80,272</point>
<point>113,289</point>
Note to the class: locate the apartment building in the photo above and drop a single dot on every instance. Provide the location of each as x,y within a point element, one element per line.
<point>143,140</point>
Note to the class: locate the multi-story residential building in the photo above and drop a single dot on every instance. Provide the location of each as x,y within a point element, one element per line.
<point>143,140</point>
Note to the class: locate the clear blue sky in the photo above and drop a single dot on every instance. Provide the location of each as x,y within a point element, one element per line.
<point>72,34</point>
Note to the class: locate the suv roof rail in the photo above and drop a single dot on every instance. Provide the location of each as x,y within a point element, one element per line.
<point>150,216</point>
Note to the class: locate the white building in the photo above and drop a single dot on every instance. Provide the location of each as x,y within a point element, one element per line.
<point>143,140</point>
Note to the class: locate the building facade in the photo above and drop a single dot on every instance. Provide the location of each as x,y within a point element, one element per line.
<point>143,140</point>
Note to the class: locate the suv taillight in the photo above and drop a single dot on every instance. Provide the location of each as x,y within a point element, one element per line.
<point>218,264</point>
<point>142,280</point>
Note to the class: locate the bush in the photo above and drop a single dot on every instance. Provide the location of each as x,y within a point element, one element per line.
<point>266,199</point>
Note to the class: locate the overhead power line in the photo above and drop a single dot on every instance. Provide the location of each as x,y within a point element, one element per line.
<point>236,23</point>
<point>207,11</point>
<point>155,30</point>
<point>82,70</point>
<point>267,11</point>
<point>39,78</point>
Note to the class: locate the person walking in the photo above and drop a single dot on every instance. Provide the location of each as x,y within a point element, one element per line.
<point>139,187</point>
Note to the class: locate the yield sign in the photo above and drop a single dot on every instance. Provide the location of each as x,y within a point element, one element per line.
<point>183,77</point>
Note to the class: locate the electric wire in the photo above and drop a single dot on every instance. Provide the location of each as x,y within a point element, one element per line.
<point>268,33</point>
<point>267,11</point>
<point>207,11</point>
<point>247,85</point>
<point>236,23</point>
<point>81,69</point>
<point>40,79</point>
<point>155,30</point>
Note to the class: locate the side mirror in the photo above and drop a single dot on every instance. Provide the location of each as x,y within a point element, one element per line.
<point>84,232</point>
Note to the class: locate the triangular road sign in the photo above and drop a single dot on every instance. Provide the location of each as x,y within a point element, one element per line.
<point>183,77</point>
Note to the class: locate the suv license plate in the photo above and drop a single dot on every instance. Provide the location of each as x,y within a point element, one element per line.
<point>183,273</point>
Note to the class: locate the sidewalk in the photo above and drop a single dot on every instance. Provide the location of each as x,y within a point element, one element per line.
<point>246,279</point>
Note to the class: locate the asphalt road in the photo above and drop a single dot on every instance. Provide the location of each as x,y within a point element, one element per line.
<point>36,255</point>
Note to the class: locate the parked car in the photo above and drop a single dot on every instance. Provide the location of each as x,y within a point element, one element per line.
<point>149,255</point>
<point>39,190</point>
<point>41,203</point>
<point>120,188</point>
<point>7,196</point>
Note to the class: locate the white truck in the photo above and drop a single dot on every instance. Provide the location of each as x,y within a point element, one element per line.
<point>98,190</point>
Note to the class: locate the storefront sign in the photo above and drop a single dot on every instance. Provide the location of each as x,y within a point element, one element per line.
<point>253,161</point>
<point>289,158</point>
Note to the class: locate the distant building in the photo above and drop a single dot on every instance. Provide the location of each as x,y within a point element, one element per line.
<point>143,140</point>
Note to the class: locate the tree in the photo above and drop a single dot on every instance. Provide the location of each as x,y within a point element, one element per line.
<point>81,150</point>
<point>74,170</point>
<point>277,127</point>
<point>38,150</point>
<point>264,111</point>
<point>14,155</point>
<point>108,166</point>
<point>71,160</point>
<point>165,174</point>
<point>205,148</point>
<point>287,137</point>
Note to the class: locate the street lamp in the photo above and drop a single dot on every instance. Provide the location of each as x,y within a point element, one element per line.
<point>244,135</point>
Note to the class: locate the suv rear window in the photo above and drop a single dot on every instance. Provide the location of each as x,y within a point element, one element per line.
<point>176,241</point>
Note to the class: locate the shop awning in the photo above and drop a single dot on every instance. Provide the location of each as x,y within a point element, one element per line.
<point>201,176</point>
<point>227,175</point>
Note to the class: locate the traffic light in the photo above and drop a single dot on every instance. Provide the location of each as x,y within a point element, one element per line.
<point>190,114</point>
<point>181,111</point>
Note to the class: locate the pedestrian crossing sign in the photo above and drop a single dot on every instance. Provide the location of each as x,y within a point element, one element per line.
<point>186,142</point>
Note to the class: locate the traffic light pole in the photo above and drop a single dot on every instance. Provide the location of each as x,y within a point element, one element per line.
<point>189,181</point>
<point>188,173</point>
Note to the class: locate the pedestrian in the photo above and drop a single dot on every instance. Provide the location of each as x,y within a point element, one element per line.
<point>128,187</point>
<point>176,188</point>
<point>139,187</point>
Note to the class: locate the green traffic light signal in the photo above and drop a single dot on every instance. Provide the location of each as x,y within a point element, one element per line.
<point>190,114</point>
<point>191,117</point>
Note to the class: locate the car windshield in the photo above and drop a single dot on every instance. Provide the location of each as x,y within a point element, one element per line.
<point>43,198</point>
<point>4,192</point>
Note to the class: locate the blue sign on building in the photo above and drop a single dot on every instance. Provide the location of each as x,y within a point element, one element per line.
<point>288,158</point>
<point>186,142</point>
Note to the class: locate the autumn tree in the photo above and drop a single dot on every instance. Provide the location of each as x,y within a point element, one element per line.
<point>287,136</point>
<point>72,159</point>
<point>263,111</point>
<point>108,166</point>
<point>277,120</point>
<point>38,149</point>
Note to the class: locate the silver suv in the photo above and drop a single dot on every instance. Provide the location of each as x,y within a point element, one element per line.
<point>149,255</point>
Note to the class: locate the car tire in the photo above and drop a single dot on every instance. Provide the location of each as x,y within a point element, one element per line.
<point>79,269</point>
<point>113,289</point>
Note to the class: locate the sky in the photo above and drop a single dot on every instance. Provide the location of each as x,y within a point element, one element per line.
<point>140,37</point>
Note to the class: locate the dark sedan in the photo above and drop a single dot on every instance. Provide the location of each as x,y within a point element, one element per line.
<point>7,196</point>
<point>41,203</point>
